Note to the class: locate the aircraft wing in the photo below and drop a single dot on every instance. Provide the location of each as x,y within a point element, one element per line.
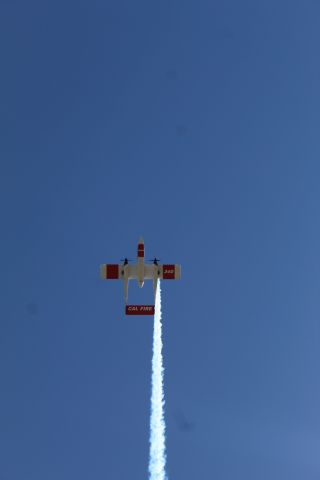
<point>164,272</point>
<point>170,272</point>
<point>116,271</point>
<point>110,271</point>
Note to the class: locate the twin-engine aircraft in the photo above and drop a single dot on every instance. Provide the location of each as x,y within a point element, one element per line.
<point>140,271</point>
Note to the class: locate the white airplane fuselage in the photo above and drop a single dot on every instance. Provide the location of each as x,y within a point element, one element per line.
<point>140,263</point>
<point>139,270</point>
<point>141,273</point>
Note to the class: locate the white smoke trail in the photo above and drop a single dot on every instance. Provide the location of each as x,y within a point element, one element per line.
<point>157,459</point>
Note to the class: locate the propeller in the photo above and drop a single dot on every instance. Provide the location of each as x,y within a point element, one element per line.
<point>125,260</point>
<point>154,260</point>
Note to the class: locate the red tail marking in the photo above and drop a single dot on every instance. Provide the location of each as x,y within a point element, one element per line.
<point>139,309</point>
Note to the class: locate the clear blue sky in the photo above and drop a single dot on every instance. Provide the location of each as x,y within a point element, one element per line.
<point>196,125</point>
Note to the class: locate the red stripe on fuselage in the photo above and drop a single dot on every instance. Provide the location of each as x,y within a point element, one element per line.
<point>140,250</point>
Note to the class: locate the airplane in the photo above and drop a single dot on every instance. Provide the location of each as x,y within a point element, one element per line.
<point>140,271</point>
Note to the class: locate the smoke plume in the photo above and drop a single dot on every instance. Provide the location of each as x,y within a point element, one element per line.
<point>157,459</point>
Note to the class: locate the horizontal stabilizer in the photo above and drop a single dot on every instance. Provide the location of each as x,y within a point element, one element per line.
<point>139,309</point>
